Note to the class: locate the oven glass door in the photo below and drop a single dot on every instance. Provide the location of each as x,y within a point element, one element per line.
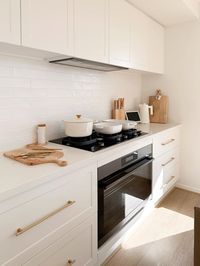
<point>121,196</point>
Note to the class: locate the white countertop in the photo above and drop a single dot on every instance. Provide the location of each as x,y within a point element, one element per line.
<point>16,177</point>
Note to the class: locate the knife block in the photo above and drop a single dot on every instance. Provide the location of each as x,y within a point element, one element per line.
<point>118,114</point>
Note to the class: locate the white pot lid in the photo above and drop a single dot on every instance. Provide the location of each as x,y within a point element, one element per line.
<point>79,119</point>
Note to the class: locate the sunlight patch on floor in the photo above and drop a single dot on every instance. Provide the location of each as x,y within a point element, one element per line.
<point>162,224</point>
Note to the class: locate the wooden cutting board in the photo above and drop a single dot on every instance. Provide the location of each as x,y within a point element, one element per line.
<point>160,109</point>
<point>37,156</point>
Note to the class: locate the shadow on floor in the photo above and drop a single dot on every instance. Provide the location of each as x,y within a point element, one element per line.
<point>176,250</point>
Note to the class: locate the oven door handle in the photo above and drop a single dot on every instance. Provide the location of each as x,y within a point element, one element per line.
<point>105,184</point>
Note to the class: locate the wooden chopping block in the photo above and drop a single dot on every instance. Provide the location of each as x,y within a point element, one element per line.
<point>35,157</point>
<point>160,105</point>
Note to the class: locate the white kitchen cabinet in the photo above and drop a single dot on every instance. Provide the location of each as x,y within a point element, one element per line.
<point>58,206</point>
<point>120,33</point>
<point>10,21</point>
<point>166,162</point>
<point>75,248</point>
<point>136,41</point>
<point>147,43</point>
<point>91,29</point>
<point>47,25</point>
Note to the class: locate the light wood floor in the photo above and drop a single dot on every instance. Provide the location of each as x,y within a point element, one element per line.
<point>165,238</point>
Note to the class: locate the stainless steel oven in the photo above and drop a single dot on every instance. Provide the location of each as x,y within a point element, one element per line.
<point>124,186</point>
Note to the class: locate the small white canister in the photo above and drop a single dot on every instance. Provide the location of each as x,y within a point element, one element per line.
<point>41,134</point>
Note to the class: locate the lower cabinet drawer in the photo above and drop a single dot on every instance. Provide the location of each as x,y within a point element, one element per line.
<point>77,247</point>
<point>170,178</point>
<point>165,141</point>
<point>64,207</point>
<point>165,173</point>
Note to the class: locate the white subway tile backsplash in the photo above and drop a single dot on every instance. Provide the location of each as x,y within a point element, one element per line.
<point>34,91</point>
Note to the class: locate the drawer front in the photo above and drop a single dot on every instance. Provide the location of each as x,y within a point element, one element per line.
<point>165,170</point>
<point>165,141</point>
<point>32,221</point>
<point>78,248</point>
<point>170,178</point>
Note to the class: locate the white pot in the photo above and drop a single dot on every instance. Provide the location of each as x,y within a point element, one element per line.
<point>78,127</point>
<point>126,124</point>
<point>108,127</point>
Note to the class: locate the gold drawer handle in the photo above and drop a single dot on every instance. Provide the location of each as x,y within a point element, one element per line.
<point>172,159</point>
<point>168,142</point>
<point>28,227</point>
<point>172,177</point>
<point>70,262</point>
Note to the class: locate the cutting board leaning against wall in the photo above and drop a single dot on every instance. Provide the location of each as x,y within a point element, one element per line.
<point>160,105</point>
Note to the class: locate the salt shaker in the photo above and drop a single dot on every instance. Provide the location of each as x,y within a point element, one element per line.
<point>41,134</point>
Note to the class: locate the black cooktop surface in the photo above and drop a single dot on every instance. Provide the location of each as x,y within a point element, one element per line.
<point>97,141</point>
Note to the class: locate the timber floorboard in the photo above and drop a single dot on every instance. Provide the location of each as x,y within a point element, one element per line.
<point>165,238</point>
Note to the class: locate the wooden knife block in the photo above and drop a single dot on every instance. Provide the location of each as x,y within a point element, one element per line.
<point>118,114</point>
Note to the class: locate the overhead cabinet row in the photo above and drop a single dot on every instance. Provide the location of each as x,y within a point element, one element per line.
<point>108,31</point>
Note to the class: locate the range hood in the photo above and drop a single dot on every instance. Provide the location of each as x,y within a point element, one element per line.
<point>82,63</point>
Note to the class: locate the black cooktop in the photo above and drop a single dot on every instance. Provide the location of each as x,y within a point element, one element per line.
<point>97,141</point>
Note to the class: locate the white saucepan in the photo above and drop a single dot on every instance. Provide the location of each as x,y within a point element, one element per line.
<point>108,127</point>
<point>78,127</point>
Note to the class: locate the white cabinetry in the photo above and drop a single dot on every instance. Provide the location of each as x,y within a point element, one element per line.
<point>75,247</point>
<point>47,25</point>
<point>136,41</point>
<point>120,33</point>
<point>90,29</point>
<point>166,163</point>
<point>108,31</point>
<point>147,43</point>
<point>10,21</point>
<point>33,222</point>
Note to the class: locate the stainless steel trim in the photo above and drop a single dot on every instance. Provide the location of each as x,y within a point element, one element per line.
<point>172,159</point>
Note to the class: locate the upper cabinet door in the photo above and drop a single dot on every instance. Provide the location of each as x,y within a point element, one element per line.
<point>90,29</point>
<point>147,43</point>
<point>120,33</point>
<point>46,25</point>
<point>10,21</point>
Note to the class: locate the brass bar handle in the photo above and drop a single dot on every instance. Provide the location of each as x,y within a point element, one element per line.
<point>167,142</point>
<point>20,231</point>
<point>172,159</point>
<point>70,262</point>
<point>172,177</point>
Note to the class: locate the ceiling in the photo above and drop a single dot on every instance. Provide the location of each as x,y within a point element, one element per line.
<point>169,12</point>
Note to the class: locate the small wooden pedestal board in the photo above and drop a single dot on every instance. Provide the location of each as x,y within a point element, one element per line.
<point>160,108</point>
<point>36,154</point>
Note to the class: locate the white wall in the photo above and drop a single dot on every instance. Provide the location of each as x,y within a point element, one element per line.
<point>182,83</point>
<point>33,91</point>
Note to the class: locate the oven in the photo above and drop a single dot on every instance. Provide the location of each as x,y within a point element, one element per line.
<point>124,187</point>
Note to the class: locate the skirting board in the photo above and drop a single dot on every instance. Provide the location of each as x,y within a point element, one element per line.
<point>192,189</point>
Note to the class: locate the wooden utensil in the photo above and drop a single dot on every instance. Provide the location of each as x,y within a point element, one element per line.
<point>34,157</point>
<point>118,111</point>
<point>160,105</point>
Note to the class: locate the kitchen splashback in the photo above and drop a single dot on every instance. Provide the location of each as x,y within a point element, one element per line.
<point>32,92</point>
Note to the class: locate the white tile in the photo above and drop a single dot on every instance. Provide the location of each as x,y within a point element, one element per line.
<point>33,91</point>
